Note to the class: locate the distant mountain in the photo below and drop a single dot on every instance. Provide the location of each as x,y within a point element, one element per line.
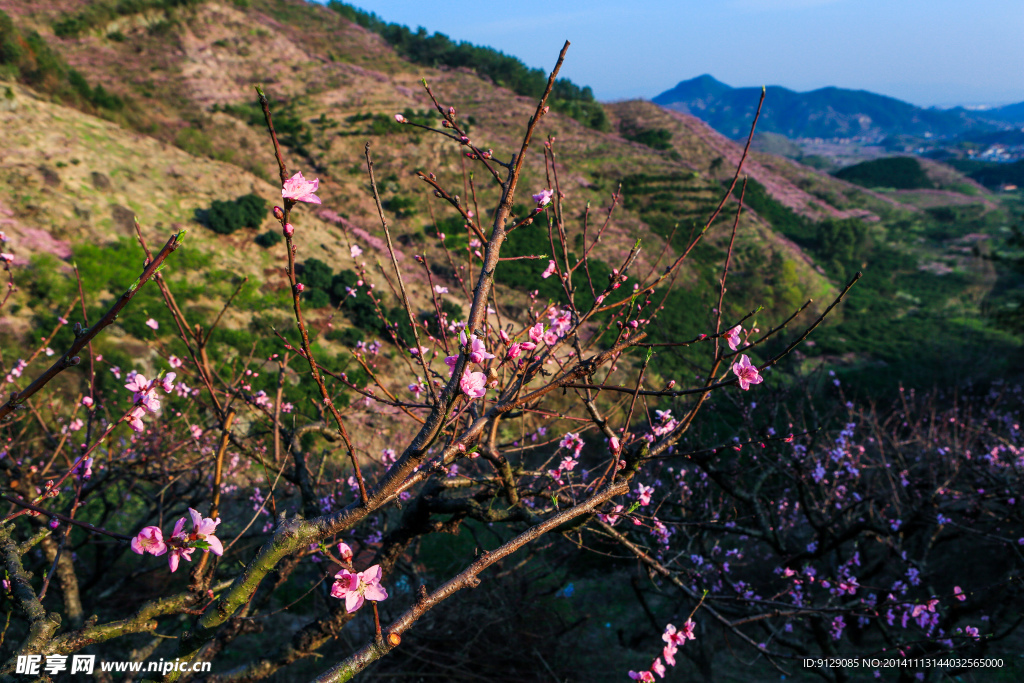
<point>1011,113</point>
<point>825,113</point>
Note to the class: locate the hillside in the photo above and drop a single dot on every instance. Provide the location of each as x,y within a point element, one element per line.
<point>824,113</point>
<point>188,134</point>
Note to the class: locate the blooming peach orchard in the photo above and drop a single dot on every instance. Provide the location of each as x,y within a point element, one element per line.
<point>182,510</point>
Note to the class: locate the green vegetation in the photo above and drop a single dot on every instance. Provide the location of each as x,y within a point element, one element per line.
<point>97,14</point>
<point>439,50</point>
<point>402,207</point>
<point>268,239</point>
<point>990,174</point>
<point>385,124</point>
<point>224,218</point>
<point>655,138</point>
<point>27,58</point>
<point>290,128</point>
<point>910,311</point>
<point>325,288</point>
<point>111,267</point>
<point>900,173</point>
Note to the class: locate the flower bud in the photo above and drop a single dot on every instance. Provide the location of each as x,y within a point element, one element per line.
<point>299,287</point>
<point>279,213</point>
<point>401,119</point>
<point>289,229</point>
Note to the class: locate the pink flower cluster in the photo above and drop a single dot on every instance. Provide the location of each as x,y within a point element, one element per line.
<point>182,542</point>
<point>561,323</point>
<point>568,464</point>
<point>665,424</point>
<point>354,588</point>
<point>146,398</point>
<point>673,639</point>
<point>473,384</point>
<point>573,441</point>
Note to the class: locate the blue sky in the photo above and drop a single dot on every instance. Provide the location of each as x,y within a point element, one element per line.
<point>928,52</point>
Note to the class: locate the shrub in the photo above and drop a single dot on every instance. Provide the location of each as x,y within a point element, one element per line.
<point>225,217</point>
<point>901,173</point>
<point>268,239</point>
<point>655,138</point>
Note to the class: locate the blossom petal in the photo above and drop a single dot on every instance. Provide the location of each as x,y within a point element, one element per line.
<point>216,547</point>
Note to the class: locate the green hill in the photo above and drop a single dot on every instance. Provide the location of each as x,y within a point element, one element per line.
<point>901,173</point>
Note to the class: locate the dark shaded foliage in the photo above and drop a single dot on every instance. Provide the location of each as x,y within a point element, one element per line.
<point>901,173</point>
<point>225,217</point>
<point>268,239</point>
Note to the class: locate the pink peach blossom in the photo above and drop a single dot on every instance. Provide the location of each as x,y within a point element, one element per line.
<point>473,384</point>
<point>733,337</point>
<point>183,543</point>
<point>746,372</point>
<point>549,270</point>
<point>477,350</point>
<point>644,494</point>
<point>149,540</point>
<point>355,588</point>
<point>543,198</point>
<point>137,383</point>
<point>658,668</point>
<point>299,189</point>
